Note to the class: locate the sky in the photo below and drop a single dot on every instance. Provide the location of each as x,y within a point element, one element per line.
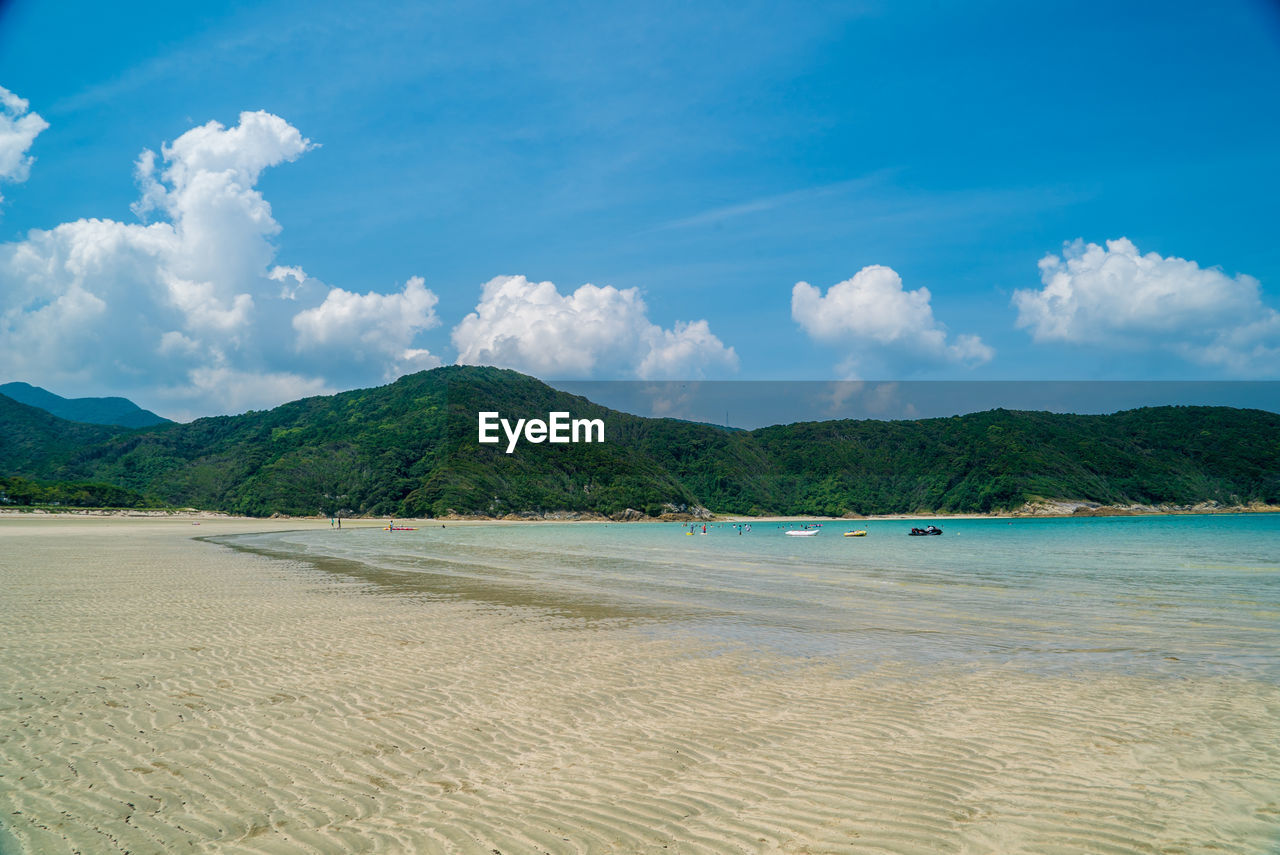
<point>232,205</point>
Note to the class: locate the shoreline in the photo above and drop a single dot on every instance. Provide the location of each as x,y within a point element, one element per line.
<point>1065,509</point>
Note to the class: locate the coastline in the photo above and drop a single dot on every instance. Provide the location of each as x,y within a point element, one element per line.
<point>1045,509</point>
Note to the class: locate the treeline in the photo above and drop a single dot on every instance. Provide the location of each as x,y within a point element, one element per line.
<point>22,492</point>
<point>410,449</point>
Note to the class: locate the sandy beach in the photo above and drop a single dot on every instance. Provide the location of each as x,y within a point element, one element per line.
<point>163,693</point>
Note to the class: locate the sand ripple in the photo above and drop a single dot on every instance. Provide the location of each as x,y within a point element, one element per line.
<point>165,695</point>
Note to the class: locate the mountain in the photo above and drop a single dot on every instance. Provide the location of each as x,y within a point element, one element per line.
<point>97,411</point>
<point>30,436</point>
<point>410,449</point>
<point>407,449</point>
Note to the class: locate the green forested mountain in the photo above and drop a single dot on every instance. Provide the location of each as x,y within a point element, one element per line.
<point>31,437</point>
<point>410,449</point>
<point>98,411</point>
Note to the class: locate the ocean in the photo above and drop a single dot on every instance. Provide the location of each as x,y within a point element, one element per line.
<point>1147,596</point>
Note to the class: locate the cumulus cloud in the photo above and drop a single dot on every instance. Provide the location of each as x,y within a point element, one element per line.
<point>1116,297</point>
<point>238,390</point>
<point>881,323</point>
<point>372,326</point>
<point>187,310</point>
<point>18,130</point>
<point>291,280</point>
<point>531,326</point>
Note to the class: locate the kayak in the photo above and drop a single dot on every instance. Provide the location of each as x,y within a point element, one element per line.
<point>398,528</point>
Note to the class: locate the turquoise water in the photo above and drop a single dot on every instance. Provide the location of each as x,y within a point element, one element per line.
<point>1145,595</point>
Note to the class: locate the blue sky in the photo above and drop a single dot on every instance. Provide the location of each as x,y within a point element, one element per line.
<point>1083,191</point>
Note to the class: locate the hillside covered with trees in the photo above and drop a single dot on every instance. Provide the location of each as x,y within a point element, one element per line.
<point>410,449</point>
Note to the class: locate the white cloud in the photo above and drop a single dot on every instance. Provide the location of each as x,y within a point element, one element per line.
<point>881,323</point>
<point>372,327</point>
<point>288,290</point>
<point>18,130</point>
<point>1116,297</point>
<point>681,352</point>
<point>531,326</point>
<point>235,391</point>
<point>189,309</point>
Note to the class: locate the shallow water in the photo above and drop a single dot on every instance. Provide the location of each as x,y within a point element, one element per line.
<point>1172,595</point>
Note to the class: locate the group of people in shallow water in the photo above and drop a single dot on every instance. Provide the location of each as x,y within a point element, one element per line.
<point>739,527</point>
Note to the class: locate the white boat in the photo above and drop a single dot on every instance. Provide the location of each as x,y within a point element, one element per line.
<point>806,532</point>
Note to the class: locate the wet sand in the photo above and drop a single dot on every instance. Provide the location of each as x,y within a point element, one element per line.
<point>161,693</point>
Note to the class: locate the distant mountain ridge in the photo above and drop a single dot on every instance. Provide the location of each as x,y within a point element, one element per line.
<point>410,449</point>
<point>94,411</point>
